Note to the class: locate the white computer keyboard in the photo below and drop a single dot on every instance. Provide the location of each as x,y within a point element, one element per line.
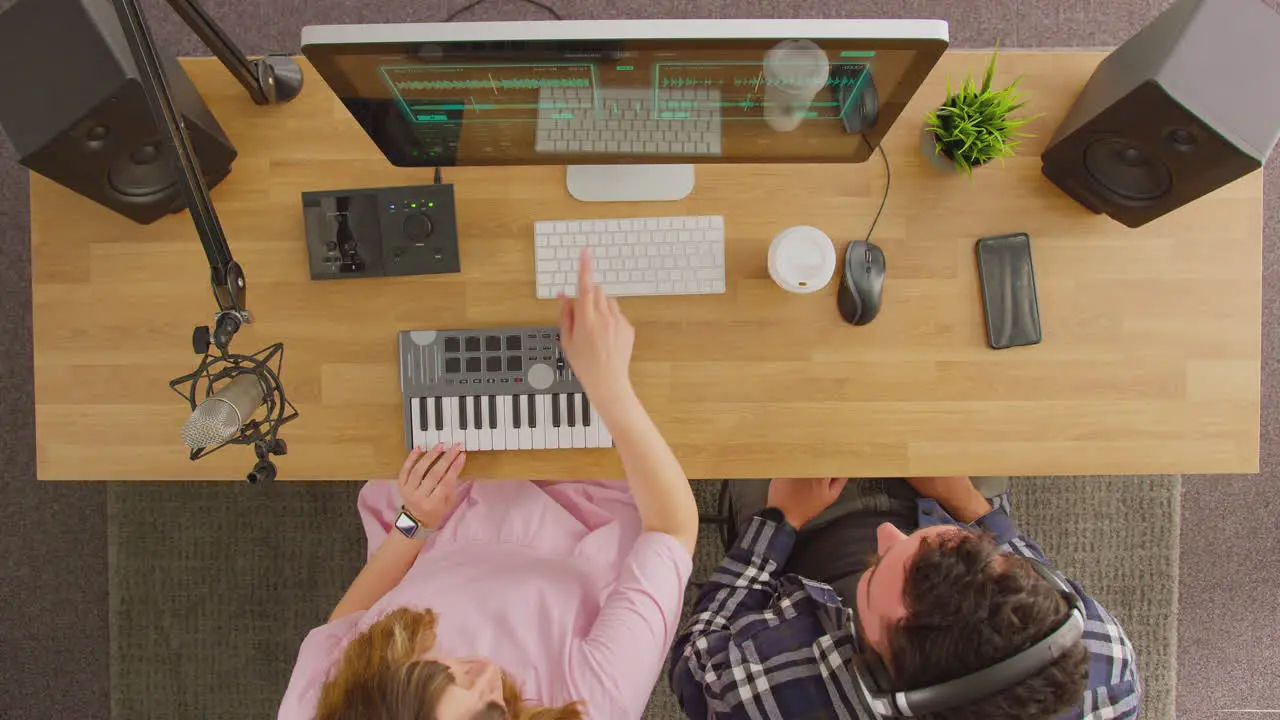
<point>632,256</point>
<point>623,121</point>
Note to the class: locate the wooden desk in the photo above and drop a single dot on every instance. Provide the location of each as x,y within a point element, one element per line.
<point>1150,359</point>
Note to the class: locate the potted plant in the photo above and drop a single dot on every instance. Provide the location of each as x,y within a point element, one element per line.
<point>974,126</point>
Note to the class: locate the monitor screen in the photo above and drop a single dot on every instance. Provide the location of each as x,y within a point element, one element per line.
<point>615,92</point>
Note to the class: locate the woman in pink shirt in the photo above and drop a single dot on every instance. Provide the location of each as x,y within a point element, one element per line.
<point>517,600</point>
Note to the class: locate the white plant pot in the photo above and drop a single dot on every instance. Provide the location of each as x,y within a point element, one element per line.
<point>933,157</point>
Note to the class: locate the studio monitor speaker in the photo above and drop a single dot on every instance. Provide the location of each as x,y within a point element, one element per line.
<point>1185,106</point>
<point>72,106</point>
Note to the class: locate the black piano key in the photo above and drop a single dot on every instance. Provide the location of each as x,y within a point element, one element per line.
<point>424,418</point>
<point>493,412</point>
<point>570,401</point>
<point>515,412</point>
<point>462,413</point>
<point>586,411</point>
<point>477,417</point>
<point>439,413</point>
<point>533,411</point>
<point>555,409</point>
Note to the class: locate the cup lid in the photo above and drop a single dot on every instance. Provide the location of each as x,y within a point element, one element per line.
<point>797,64</point>
<point>802,259</point>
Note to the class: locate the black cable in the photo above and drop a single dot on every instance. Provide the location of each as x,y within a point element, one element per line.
<point>477,3</point>
<point>888,177</point>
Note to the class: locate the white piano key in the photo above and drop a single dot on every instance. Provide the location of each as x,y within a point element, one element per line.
<point>591,433</point>
<point>512,440</point>
<point>483,429</point>
<point>500,423</point>
<point>431,436</point>
<point>566,433</point>
<point>539,432</point>
<point>526,433</point>
<point>416,431</point>
<point>472,435</point>
<point>550,432</point>
<point>602,432</point>
<point>579,427</point>
<point>446,435</point>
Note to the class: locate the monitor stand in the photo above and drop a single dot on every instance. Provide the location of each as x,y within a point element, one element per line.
<point>629,183</point>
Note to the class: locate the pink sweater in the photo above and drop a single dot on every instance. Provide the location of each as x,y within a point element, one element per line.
<point>555,582</point>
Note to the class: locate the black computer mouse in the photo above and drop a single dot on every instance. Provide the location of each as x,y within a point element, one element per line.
<point>862,112</point>
<point>861,283</point>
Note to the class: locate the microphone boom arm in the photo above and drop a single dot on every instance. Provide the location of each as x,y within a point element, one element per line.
<point>270,80</point>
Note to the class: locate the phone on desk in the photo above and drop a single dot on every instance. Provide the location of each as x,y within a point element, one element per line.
<point>1009,290</point>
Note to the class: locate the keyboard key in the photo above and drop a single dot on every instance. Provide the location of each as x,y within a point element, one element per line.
<point>550,435</point>
<point>555,410</point>
<point>462,416</point>
<point>484,428</point>
<point>439,413</point>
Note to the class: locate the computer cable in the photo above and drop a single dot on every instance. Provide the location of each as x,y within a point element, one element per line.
<point>888,177</point>
<point>477,3</point>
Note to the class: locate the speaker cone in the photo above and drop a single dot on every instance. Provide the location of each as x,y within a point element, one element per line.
<point>1126,171</point>
<point>145,172</point>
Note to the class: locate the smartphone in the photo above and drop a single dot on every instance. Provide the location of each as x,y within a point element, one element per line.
<point>1009,290</point>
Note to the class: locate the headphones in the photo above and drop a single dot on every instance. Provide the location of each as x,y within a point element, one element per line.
<point>871,680</point>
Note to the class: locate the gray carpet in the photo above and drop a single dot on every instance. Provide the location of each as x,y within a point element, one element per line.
<point>225,602</point>
<point>54,634</point>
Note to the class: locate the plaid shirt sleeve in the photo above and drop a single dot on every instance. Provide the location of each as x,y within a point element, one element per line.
<point>761,646</point>
<point>1114,690</point>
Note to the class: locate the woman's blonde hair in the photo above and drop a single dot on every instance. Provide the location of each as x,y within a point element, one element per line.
<point>382,676</point>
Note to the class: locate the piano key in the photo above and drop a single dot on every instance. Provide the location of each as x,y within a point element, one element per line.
<point>525,431</point>
<point>471,438</point>
<point>450,421</point>
<point>579,438</point>
<point>438,413</point>
<point>533,417</point>
<point>591,428</point>
<point>538,422</point>
<point>571,410</point>
<point>484,428</point>
<point>416,433</point>
<point>602,431</point>
<point>555,410</point>
<point>430,436</point>
<point>566,432</point>
<point>516,402</point>
<point>499,422</point>
<point>507,429</point>
<point>493,412</point>
<point>550,434</point>
<point>460,407</point>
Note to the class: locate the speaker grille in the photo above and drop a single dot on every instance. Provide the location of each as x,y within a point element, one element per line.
<point>1124,170</point>
<point>145,173</point>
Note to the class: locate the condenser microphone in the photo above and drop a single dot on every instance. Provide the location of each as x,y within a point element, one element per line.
<point>220,417</point>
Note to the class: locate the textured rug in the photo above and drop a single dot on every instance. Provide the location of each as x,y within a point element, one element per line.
<point>213,586</point>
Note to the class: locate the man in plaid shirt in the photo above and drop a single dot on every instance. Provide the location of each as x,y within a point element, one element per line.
<point>942,594</point>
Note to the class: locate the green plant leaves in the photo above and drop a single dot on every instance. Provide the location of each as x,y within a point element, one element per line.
<point>974,125</point>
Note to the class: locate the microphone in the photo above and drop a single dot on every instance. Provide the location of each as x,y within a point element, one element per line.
<point>221,416</point>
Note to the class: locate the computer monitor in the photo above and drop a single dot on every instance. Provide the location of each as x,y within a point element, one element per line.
<point>628,105</point>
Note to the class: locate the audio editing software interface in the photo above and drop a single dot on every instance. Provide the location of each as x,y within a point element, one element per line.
<point>553,103</point>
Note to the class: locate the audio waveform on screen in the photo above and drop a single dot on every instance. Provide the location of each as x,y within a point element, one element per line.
<point>490,84</point>
<point>678,82</point>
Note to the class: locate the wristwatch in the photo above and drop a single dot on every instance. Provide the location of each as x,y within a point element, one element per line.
<point>773,514</point>
<point>408,525</point>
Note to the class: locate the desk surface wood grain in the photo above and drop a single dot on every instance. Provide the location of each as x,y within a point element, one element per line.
<point>1150,360</point>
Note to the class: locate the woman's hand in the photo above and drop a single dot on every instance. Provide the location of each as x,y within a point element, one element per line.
<point>803,499</point>
<point>597,339</point>
<point>428,482</point>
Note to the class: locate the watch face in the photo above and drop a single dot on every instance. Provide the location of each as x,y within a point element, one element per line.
<point>406,525</point>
